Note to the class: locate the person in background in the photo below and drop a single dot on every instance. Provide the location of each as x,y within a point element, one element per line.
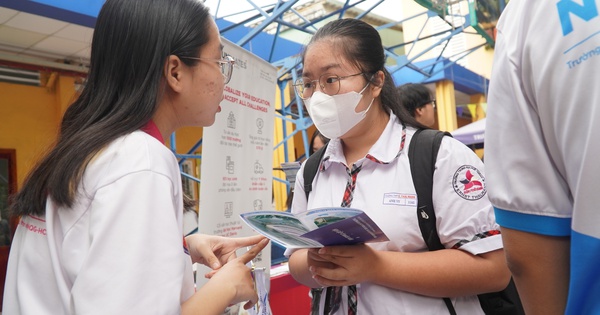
<point>542,149</point>
<point>101,214</point>
<point>419,102</point>
<point>317,141</point>
<point>352,100</point>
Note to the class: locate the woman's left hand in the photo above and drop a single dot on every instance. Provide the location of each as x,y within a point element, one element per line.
<point>350,265</point>
<point>214,251</point>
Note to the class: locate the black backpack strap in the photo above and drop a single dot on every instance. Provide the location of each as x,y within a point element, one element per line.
<point>422,154</point>
<point>310,169</point>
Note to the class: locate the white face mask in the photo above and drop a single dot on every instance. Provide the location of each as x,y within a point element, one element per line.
<point>334,115</point>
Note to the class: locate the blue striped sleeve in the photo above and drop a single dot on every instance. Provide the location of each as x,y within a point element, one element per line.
<point>538,224</point>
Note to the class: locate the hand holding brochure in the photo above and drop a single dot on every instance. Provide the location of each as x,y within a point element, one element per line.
<point>315,228</point>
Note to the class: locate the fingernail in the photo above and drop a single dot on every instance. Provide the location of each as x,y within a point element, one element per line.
<point>215,265</point>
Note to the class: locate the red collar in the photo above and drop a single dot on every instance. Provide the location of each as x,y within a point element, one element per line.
<point>151,129</point>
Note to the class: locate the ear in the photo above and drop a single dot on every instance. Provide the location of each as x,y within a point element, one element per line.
<point>419,111</point>
<point>173,72</point>
<point>377,83</point>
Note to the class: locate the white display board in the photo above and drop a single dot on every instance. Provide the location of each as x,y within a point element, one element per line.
<point>237,152</point>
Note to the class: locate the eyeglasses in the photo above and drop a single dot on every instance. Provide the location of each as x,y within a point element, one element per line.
<point>432,102</point>
<point>329,83</point>
<point>226,64</point>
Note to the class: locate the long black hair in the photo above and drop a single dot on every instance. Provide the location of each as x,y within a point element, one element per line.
<point>362,46</point>
<point>131,43</point>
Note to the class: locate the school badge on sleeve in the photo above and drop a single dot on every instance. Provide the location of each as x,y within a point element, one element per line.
<point>469,183</point>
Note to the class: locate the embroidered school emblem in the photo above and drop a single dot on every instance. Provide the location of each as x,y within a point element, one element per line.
<point>469,183</point>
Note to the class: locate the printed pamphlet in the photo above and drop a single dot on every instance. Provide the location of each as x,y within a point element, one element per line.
<point>315,228</point>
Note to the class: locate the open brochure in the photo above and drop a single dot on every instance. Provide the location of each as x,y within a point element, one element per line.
<point>315,228</point>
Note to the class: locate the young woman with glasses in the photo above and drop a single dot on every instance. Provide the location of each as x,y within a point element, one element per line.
<point>352,100</point>
<point>101,227</point>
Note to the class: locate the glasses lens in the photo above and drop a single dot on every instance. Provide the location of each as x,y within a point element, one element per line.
<point>298,87</point>
<point>330,84</point>
<point>227,68</point>
<point>304,88</point>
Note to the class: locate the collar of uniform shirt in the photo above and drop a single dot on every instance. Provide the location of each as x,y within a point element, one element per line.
<point>151,129</point>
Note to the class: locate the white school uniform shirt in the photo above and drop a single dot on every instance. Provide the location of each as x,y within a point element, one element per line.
<point>118,250</point>
<point>386,192</point>
<point>543,124</point>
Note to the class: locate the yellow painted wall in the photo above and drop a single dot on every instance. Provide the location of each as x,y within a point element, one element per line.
<point>28,123</point>
<point>30,117</point>
<point>65,94</point>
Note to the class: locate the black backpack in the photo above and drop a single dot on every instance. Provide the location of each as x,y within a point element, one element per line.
<point>425,144</point>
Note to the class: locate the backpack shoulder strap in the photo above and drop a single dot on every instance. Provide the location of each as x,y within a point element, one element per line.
<point>310,169</point>
<point>422,154</point>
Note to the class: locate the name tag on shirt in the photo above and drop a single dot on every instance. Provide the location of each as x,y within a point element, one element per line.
<point>399,199</point>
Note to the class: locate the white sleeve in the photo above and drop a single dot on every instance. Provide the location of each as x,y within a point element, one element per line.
<point>136,263</point>
<point>465,218</point>
<point>524,158</point>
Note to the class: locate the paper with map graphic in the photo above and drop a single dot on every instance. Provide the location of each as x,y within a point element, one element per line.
<point>315,228</point>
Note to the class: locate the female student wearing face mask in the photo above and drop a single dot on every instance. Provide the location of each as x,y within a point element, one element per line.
<point>352,100</point>
<point>101,228</point>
